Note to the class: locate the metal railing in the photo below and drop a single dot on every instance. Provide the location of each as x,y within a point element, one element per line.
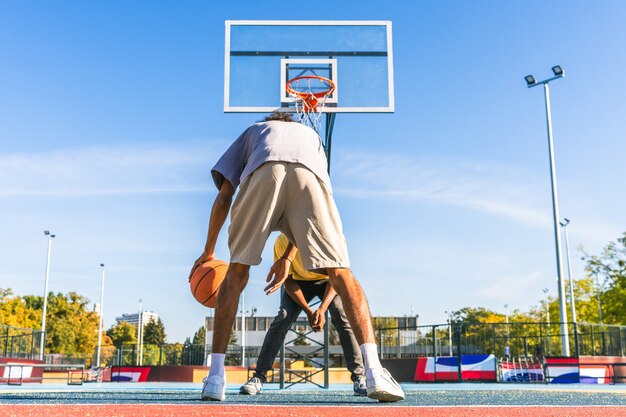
<point>16,342</point>
<point>501,339</point>
<point>169,355</point>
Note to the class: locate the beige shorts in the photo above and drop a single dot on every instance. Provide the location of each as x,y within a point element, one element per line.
<point>287,197</point>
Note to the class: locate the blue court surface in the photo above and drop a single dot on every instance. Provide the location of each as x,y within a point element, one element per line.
<point>436,395</point>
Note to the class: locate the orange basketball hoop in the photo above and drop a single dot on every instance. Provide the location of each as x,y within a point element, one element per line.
<point>310,93</point>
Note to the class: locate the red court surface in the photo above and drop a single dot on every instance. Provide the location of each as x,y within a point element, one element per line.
<point>202,410</point>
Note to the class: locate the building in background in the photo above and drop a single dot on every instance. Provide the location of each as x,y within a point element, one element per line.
<point>256,327</point>
<point>133,318</point>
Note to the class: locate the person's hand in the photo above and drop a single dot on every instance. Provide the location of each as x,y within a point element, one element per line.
<point>310,317</point>
<point>205,257</point>
<point>277,276</point>
<point>317,320</point>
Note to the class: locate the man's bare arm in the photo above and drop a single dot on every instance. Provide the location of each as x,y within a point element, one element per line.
<point>279,271</point>
<point>219,212</point>
<point>318,318</point>
<point>295,292</point>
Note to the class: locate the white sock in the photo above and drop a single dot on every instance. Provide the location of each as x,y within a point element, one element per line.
<point>370,356</point>
<point>217,364</point>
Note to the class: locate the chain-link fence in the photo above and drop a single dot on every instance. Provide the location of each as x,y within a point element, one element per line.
<point>503,339</point>
<point>16,342</point>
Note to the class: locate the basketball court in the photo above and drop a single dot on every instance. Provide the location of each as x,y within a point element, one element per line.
<point>429,400</point>
<point>315,69</point>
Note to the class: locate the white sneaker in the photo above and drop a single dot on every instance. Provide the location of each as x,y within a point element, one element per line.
<point>214,388</point>
<point>382,387</point>
<point>252,387</point>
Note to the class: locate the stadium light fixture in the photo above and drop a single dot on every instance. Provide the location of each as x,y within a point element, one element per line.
<point>42,337</point>
<point>558,73</point>
<point>530,80</point>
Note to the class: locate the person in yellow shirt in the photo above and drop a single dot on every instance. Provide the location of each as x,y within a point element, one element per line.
<point>300,288</point>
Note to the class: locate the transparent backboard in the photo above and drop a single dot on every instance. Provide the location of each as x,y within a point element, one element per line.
<point>261,56</point>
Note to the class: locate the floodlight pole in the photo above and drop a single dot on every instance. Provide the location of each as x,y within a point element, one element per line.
<point>599,300</point>
<point>101,318</point>
<point>572,303</point>
<point>449,332</point>
<point>545,291</point>
<point>42,337</point>
<point>555,211</point>
<point>140,335</point>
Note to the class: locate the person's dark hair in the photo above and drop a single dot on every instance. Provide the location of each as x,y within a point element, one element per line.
<point>280,116</point>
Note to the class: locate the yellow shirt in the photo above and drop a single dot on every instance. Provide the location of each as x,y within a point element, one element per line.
<point>297,270</point>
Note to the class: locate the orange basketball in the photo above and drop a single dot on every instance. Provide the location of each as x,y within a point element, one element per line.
<point>206,281</point>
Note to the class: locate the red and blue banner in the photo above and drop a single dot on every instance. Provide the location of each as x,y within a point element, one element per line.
<point>129,374</point>
<point>473,368</point>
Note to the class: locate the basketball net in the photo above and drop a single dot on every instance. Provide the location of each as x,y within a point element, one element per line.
<point>310,93</point>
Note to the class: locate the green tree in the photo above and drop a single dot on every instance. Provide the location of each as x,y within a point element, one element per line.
<point>71,328</point>
<point>122,333</point>
<point>154,333</point>
<point>385,326</point>
<point>232,339</point>
<point>199,336</point>
<point>609,268</point>
<point>16,311</point>
<point>301,340</point>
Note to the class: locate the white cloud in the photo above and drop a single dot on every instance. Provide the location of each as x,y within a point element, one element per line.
<point>508,191</point>
<point>109,170</point>
<point>491,188</point>
<point>518,285</point>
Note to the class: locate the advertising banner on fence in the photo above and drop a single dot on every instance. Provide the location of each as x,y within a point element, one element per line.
<point>473,368</point>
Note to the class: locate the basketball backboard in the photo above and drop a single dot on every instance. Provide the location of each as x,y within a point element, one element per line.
<point>262,55</point>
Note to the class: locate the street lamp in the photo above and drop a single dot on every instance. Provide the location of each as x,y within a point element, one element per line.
<point>545,291</point>
<point>532,82</point>
<point>449,331</point>
<point>572,304</point>
<point>101,318</point>
<point>507,348</point>
<point>598,288</point>
<point>140,335</point>
<point>42,337</point>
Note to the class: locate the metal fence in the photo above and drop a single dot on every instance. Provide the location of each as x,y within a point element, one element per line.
<point>16,342</point>
<point>502,339</point>
<point>169,354</point>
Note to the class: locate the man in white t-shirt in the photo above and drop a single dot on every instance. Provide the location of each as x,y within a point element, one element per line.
<point>281,170</point>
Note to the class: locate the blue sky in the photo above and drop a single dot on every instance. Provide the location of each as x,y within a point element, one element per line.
<point>111,116</point>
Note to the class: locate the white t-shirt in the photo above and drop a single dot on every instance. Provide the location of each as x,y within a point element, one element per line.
<point>271,141</point>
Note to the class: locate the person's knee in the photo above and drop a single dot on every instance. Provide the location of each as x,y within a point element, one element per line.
<point>281,319</point>
<point>340,274</point>
<point>342,279</point>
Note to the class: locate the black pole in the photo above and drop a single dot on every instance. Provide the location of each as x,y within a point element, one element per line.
<point>576,347</point>
<point>328,137</point>
<point>326,351</point>
<point>593,342</point>
<point>459,353</point>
